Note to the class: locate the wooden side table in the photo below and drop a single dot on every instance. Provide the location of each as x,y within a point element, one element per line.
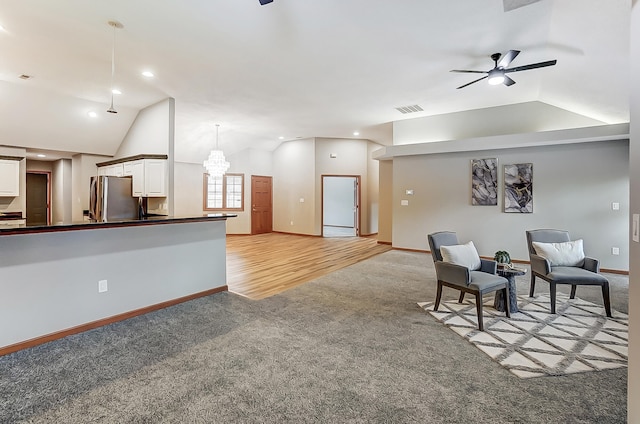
<point>510,274</point>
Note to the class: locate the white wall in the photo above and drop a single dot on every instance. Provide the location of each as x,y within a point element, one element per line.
<point>633,406</point>
<point>385,213</point>
<point>188,198</point>
<point>83,167</point>
<point>189,190</point>
<point>573,185</point>
<point>149,133</point>
<point>298,169</point>
<point>61,192</point>
<point>153,132</point>
<point>294,178</point>
<point>371,214</point>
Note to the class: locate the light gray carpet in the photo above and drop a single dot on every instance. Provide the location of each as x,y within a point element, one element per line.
<point>352,346</point>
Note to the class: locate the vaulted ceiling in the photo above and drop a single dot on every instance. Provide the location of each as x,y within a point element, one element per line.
<point>294,68</point>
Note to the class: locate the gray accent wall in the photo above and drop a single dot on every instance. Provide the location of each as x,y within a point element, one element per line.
<point>574,186</point>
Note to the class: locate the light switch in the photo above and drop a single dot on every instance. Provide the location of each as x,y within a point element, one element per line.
<point>615,250</point>
<point>302,200</point>
<point>409,192</point>
<point>404,203</point>
<point>615,206</point>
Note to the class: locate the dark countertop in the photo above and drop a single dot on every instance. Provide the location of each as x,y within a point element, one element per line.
<point>92,225</point>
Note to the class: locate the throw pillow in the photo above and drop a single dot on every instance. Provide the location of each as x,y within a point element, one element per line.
<point>461,254</point>
<point>569,253</point>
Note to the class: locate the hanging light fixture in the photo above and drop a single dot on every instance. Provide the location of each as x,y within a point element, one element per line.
<point>115,25</point>
<point>216,164</point>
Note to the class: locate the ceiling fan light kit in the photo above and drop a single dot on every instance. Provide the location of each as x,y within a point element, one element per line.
<point>497,75</point>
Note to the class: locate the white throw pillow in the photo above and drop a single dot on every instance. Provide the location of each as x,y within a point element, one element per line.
<point>461,254</point>
<point>569,253</point>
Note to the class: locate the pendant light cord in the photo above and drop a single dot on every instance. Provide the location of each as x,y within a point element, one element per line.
<point>217,128</point>
<point>113,61</point>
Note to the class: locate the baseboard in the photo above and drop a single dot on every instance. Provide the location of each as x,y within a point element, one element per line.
<point>297,234</point>
<point>404,249</point>
<point>105,321</point>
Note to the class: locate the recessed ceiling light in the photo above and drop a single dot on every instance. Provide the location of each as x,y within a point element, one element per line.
<point>92,114</point>
<point>40,155</point>
<point>356,133</point>
<point>116,91</point>
<point>281,138</point>
<point>147,74</point>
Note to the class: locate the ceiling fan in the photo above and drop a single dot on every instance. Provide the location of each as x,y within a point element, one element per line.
<point>497,75</point>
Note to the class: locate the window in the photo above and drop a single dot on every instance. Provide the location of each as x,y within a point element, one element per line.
<point>224,193</point>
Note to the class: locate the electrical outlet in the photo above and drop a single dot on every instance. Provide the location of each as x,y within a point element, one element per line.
<point>615,206</point>
<point>102,286</point>
<point>615,250</point>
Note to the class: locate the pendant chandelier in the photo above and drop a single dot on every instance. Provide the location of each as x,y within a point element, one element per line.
<point>216,164</point>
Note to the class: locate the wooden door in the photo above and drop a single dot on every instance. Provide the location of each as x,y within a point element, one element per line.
<point>261,205</point>
<point>37,198</point>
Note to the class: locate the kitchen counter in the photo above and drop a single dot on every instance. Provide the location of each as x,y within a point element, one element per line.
<point>91,225</point>
<point>62,279</point>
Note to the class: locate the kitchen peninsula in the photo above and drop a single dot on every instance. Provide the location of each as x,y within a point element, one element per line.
<point>61,279</point>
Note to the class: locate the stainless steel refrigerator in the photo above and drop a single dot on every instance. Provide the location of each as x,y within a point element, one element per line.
<point>110,199</point>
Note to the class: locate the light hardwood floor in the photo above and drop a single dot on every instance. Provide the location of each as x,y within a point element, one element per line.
<point>262,265</point>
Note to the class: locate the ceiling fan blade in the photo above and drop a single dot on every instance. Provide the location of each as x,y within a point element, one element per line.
<point>507,58</point>
<point>532,66</point>
<point>466,71</point>
<point>508,81</point>
<point>469,83</point>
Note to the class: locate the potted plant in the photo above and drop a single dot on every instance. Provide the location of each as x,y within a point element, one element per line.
<point>502,257</point>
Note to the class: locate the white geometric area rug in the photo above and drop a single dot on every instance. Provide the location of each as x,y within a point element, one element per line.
<point>534,342</point>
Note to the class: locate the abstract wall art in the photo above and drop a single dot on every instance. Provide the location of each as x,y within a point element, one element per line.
<point>518,188</point>
<point>484,182</point>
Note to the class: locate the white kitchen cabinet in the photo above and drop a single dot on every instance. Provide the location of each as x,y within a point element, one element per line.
<point>149,176</point>
<point>137,172</point>
<point>9,178</point>
<point>127,169</point>
<point>116,170</point>
<point>155,178</point>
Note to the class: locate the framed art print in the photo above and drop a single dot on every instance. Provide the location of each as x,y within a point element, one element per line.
<point>518,188</point>
<point>484,182</point>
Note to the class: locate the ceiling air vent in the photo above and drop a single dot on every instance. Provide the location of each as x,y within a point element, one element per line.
<point>409,109</point>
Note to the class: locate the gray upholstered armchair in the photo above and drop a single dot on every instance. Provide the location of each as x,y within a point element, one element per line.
<point>580,270</point>
<point>477,279</point>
